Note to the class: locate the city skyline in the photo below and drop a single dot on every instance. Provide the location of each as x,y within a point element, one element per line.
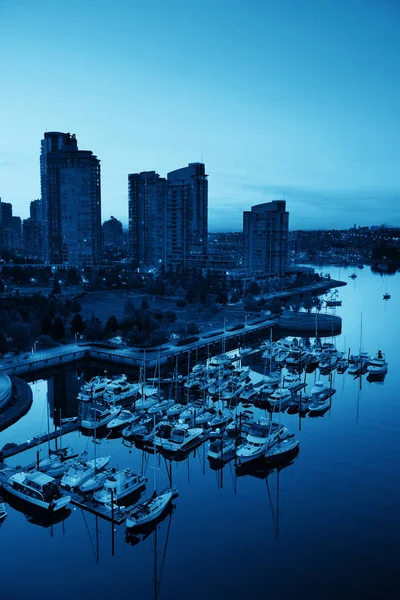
<point>279,101</point>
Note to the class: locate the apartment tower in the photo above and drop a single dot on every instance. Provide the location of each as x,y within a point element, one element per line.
<point>265,239</point>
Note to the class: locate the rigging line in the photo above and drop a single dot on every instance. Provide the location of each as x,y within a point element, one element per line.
<point>89,534</point>
<point>165,553</point>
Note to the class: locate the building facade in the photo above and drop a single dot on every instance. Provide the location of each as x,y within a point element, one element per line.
<point>71,202</point>
<point>113,233</point>
<point>265,239</point>
<point>10,228</point>
<point>32,231</point>
<point>186,241</point>
<point>147,193</point>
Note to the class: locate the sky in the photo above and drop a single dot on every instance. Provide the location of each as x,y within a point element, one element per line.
<point>293,99</point>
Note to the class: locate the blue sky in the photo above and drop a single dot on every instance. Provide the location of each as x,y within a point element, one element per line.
<point>292,97</point>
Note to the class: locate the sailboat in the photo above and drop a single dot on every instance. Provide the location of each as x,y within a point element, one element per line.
<point>152,509</point>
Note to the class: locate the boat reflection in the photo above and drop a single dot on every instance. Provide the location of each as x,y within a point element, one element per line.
<point>36,515</point>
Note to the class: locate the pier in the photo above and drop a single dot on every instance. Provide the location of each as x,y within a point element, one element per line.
<point>37,440</point>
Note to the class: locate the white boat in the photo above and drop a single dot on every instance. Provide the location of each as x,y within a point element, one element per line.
<point>60,467</point>
<point>320,389</point>
<point>3,512</point>
<point>249,392</point>
<point>55,457</point>
<point>99,415</point>
<point>192,411</point>
<point>175,410</point>
<point>122,420</point>
<point>282,448</point>
<point>118,485</point>
<point>179,438</point>
<point>119,390</point>
<point>273,379</point>
<point>297,357</point>
<point>260,436</point>
<point>146,402</point>
<point>280,397</point>
<point>234,389</point>
<point>245,350</point>
<point>152,509</point>
<point>83,470</point>
<point>240,373</point>
<point>94,483</point>
<point>319,405</point>
<point>222,449</point>
<point>218,386</point>
<point>378,365</point>
<point>94,389</point>
<point>358,362</point>
<point>290,381</point>
<point>36,488</point>
<point>281,356</point>
<point>161,407</point>
<point>223,417</point>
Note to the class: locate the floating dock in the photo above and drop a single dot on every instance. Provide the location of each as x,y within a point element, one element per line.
<point>37,440</point>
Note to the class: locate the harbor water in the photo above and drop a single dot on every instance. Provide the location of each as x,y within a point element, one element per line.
<point>325,526</point>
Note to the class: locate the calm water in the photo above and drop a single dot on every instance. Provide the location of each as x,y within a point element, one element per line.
<point>327,526</point>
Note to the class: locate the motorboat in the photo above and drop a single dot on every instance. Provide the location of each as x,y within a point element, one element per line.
<point>342,365</point>
<point>138,416</point>
<point>56,456</point>
<point>233,391</point>
<point>122,420</point>
<point>83,470</point>
<point>178,439</point>
<point>93,389</point>
<point>150,510</point>
<point>118,485</point>
<point>245,350</point>
<point>290,381</point>
<point>146,402</point>
<point>282,449</point>
<point>300,401</point>
<point>175,410</point>
<point>161,407</point>
<point>218,386</point>
<point>353,276</point>
<point>378,365</point>
<point>297,358</point>
<point>191,412</point>
<point>240,373</point>
<point>144,429</point>
<point>386,296</point>
<point>258,439</point>
<point>36,488</point>
<point>98,415</point>
<point>273,379</point>
<point>95,482</point>
<point>319,405</point>
<point>119,390</point>
<point>3,511</point>
<point>280,397</point>
<point>59,467</point>
<point>223,417</point>
<point>281,356</point>
<point>320,390</point>
<point>358,363</point>
<point>327,361</point>
<point>222,449</point>
<point>249,392</point>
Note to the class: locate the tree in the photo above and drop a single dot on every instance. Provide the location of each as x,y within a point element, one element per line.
<point>56,286</point>
<point>77,324</point>
<point>20,336</point>
<point>145,304</point>
<point>112,324</point>
<point>170,316</point>
<point>75,306</point>
<point>94,331</point>
<point>254,288</point>
<point>57,329</point>
<point>45,324</point>
<point>192,328</point>
<point>3,344</point>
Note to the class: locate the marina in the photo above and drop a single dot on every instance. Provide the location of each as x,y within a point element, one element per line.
<point>222,499</point>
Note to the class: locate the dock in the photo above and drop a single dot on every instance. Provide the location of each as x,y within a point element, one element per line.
<point>87,503</point>
<point>37,440</point>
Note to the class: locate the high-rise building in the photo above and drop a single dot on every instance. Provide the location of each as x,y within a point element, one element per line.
<point>147,201</point>
<point>265,239</point>
<point>71,202</point>
<point>11,231</point>
<point>32,231</point>
<point>187,216</point>
<point>113,233</point>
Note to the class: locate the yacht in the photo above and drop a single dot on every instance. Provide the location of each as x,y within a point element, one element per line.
<point>222,449</point>
<point>175,410</point>
<point>320,390</point>
<point>234,389</point>
<point>150,510</point>
<point>319,405</point>
<point>98,415</point>
<point>119,390</point>
<point>297,357</point>
<point>378,365</point>
<point>161,407</point>
<point>290,381</point>
<point>94,483</point>
<point>249,392</point>
<point>124,418</point>
<point>83,470</point>
<point>260,436</point>
<point>358,363</point>
<point>342,365</point>
<point>223,417</point>
<point>273,379</point>
<point>36,488</point>
<point>245,350</point>
<point>327,361</point>
<point>192,411</point>
<point>282,449</point>
<point>178,439</point>
<point>280,398</point>
<point>56,456</point>
<point>94,389</point>
<point>146,402</point>
<point>118,485</point>
<point>281,356</point>
<point>129,430</point>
